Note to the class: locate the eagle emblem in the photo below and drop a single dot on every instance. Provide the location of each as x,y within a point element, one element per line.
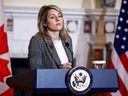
<point>79,80</point>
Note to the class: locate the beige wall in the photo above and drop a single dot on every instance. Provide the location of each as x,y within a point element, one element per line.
<point>75,4</point>
<point>38,3</point>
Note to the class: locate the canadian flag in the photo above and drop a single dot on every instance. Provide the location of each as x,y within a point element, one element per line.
<point>5,66</point>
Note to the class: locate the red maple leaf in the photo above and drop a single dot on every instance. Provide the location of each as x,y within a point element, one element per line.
<point>9,92</point>
<point>3,41</point>
<point>4,70</point>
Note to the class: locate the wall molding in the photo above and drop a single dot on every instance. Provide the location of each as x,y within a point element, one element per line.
<point>77,12</point>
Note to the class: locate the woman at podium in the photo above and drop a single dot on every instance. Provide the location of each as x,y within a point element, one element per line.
<point>51,46</point>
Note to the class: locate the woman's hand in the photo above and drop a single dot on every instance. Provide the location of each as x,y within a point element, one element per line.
<point>66,66</point>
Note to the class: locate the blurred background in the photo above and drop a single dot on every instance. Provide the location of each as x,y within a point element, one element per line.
<point>90,23</point>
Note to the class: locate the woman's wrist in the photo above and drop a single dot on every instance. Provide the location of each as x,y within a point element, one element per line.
<point>66,66</point>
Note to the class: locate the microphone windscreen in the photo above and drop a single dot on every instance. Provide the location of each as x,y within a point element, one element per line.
<point>67,44</point>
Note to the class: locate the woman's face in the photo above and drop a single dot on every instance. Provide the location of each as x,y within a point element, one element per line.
<point>54,21</point>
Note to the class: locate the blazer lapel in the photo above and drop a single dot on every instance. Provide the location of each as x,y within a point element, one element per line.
<point>68,51</point>
<point>54,55</point>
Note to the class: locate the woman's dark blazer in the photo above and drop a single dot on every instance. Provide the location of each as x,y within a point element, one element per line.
<point>43,56</point>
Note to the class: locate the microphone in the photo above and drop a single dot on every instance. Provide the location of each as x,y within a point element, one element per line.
<point>66,44</point>
<point>51,46</point>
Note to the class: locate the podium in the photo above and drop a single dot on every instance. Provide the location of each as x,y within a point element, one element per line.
<point>53,80</point>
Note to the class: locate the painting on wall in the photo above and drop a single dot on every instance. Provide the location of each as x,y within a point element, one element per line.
<point>87,26</point>
<point>72,26</point>
<point>108,3</point>
<point>105,3</point>
<point>109,27</point>
<point>9,24</point>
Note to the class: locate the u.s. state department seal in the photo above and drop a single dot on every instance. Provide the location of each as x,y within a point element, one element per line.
<point>79,80</point>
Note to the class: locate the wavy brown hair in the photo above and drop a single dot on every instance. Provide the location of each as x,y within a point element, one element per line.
<point>42,17</point>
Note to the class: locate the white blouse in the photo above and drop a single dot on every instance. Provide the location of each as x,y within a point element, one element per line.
<point>60,50</point>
